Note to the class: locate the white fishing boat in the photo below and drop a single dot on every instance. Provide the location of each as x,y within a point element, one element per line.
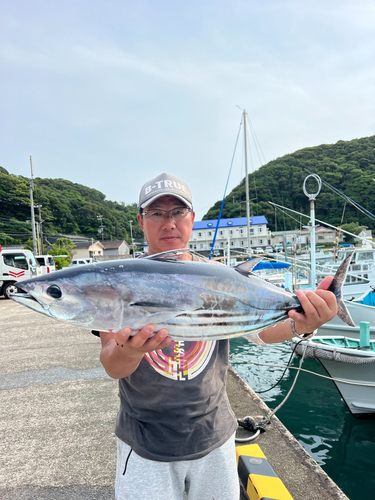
<point>361,274</point>
<point>351,367</point>
<point>362,309</point>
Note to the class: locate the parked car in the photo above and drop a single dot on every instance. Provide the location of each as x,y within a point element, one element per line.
<point>46,263</point>
<point>269,249</point>
<point>259,250</point>
<point>81,261</point>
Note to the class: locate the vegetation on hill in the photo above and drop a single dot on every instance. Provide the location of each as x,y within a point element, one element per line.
<point>73,209</point>
<point>67,208</point>
<point>348,166</point>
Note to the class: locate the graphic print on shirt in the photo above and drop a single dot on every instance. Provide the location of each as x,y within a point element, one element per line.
<point>181,360</point>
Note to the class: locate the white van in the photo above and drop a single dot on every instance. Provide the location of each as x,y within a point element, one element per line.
<point>46,262</point>
<point>81,261</point>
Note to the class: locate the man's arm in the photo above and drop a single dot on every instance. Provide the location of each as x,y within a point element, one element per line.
<point>319,307</point>
<point>121,353</point>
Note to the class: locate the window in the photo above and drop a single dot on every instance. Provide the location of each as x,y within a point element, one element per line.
<point>199,234</point>
<point>231,243</point>
<point>251,231</point>
<point>242,243</point>
<point>251,242</point>
<point>190,246</point>
<point>209,233</point>
<point>320,237</point>
<point>201,245</point>
<point>241,231</point>
<point>365,256</point>
<point>231,232</point>
<point>221,233</point>
<point>16,260</point>
<point>261,242</point>
<point>260,229</point>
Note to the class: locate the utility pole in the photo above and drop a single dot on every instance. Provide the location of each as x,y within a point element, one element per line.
<point>40,239</point>
<point>31,184</point>
<point>100,217</point>
<point>131,236</point>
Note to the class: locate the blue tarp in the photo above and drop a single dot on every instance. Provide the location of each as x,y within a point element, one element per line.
<point>271,265</point>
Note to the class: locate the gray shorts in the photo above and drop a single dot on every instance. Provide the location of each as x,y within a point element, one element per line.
<point>213,477</point>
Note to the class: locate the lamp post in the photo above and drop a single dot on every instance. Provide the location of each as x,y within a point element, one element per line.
<point>312,197</point>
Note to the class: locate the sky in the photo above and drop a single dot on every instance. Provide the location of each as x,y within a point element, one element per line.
<point>109,94</point>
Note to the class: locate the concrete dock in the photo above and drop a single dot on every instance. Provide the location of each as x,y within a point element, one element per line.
<point>58,409</point>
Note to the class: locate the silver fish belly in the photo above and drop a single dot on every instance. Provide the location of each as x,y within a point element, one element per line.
<point>193,300</point>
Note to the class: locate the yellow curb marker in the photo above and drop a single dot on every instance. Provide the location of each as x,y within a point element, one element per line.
<point>257,476</point>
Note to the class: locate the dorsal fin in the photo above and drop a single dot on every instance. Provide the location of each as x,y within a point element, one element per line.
<point>169,255</point>
<point>247,266</point>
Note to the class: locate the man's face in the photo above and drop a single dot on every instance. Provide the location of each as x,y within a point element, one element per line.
<point>169,234</point>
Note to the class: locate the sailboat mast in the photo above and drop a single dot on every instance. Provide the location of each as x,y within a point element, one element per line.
<point>246,184</point>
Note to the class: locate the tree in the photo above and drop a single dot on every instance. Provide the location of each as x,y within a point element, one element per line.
<point>352,227</point>
<point>63,246</point>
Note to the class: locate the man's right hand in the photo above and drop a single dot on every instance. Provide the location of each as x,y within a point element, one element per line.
<point>121,353</point>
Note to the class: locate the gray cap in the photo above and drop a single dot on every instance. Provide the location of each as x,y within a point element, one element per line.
<point>164,185</point>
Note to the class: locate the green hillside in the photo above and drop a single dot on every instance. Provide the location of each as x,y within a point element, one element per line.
<point>347,165</point>
<point>67,208</point>
<point>70,208</point>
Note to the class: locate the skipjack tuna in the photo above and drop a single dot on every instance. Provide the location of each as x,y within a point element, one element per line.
<point>194,300</point>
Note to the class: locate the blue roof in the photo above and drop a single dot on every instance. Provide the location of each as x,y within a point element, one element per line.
<point>235,222</point>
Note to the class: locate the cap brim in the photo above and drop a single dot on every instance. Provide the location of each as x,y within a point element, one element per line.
<point>154,198</point>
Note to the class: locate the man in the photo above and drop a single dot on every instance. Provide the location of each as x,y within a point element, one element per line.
<point>175,427</point>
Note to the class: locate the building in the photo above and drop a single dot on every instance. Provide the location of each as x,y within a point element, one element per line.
<point>119,247</point>
<point>299,238</point>
<point>232,231</point>
<point>86,249</point>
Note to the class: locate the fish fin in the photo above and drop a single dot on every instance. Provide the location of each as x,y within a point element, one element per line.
<point>169,255</point>
<point>336,288</point>
<point>247,266</point>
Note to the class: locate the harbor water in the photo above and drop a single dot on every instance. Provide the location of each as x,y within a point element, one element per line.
<point>314,413</point>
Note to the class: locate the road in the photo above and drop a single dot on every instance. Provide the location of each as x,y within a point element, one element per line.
<point>57,410</point>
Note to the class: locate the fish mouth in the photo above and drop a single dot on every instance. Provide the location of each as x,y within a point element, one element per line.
<point>29,301</point>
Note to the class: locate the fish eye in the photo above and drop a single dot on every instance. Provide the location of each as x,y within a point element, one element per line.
<point>54,292</point>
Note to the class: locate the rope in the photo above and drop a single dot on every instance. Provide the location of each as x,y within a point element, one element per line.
<point>343,381</point>
<point>250,424</point>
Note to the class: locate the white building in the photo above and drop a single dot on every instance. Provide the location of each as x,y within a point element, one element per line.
<point>232,230</point>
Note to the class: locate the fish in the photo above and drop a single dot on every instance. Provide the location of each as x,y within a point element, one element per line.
<point>194,300</point>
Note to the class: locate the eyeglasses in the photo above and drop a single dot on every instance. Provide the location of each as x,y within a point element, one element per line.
<point>159,215</point>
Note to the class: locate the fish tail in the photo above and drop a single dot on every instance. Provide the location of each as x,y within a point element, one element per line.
<point>336,288</point>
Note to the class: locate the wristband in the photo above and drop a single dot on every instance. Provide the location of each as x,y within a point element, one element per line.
<point>304,336</point>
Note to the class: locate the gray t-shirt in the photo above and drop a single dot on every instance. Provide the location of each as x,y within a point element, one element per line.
<point>175,405</point>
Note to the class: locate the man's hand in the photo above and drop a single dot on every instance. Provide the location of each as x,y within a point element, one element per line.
<point>319,307</point>
<point>122,353</point>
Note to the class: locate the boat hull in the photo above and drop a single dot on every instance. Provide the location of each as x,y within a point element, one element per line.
<point>358,312</point>
<point>359,399</point>
<point>352,368</point>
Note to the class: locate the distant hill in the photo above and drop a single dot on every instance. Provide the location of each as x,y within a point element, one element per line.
<point>347,165</point>
<point>67,208</point>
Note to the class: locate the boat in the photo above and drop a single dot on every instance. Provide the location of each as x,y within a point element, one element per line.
<point>361,273</point>
<point>351,366</point>
<point>362,309</point>
<point>279,273</point>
